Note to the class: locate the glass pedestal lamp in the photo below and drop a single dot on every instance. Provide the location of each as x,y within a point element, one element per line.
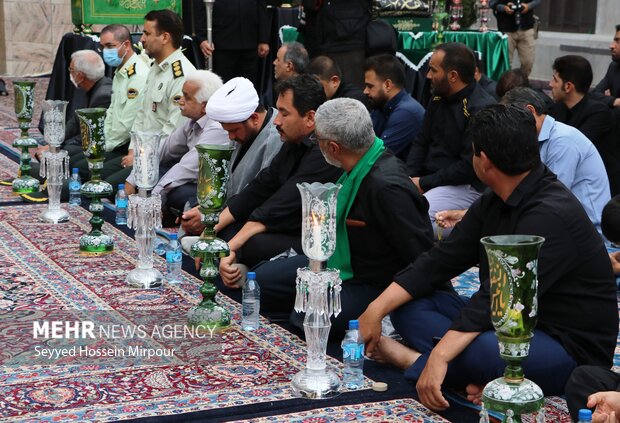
<point>213,175</point>
<point>93,144</point>
<point>456,14</point>
<point>318,288</point>
<point>483,12</point>
<point>439,20</point>
<point>144,211</point>
<point>55,162</point>
<point>513,265</point>
<point>24,106</point>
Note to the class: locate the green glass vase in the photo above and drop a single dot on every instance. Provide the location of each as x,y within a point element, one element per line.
<point>513,266</point>
<point>24,107</point>
<point>214,167</point>
<point>93,144</point>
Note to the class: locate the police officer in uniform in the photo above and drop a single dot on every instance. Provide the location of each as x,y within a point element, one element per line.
<point>161,38</point>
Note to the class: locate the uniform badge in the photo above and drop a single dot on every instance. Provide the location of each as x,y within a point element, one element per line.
<point>154,107</point>
<point>131,71</point>
<point>177,69</point>
<point>132,93</point>
<point>176,99</point>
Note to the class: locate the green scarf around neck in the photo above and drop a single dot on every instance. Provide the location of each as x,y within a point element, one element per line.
<point>341,259</point>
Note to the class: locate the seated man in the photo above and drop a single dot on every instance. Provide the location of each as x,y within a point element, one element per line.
<point>162,36</point>
<point>439,161</point>
<point>577,306</point>
<point>330,76</point>
<point>86,71</point>
<point>608,89</point>
<point>264,219</point>
<point>396,116</point>
<point>251,126</point>
<point>484,81</point>
<point>291,60</point>
<point>382,221</point>
<point>568,154</point>
<point>592,386</point>
<point>178,157</point>
<point>572,76</point>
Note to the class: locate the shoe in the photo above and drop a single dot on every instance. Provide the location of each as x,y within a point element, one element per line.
<point>35,197</point>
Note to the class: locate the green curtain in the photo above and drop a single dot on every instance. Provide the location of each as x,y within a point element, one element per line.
<point>492,44</point>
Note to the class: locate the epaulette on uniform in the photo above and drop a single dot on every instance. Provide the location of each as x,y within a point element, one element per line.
<point>465,111</point>
<point>177,69</point>
<point>131,70</point>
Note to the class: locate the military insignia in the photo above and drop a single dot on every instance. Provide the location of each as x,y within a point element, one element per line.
<point>132,93</point>
<point>436,98</point>
<point>177,69</point>
<point>154,107</point>
<point>176,99</point>
<point>131,70</point>
<point>465,111</point>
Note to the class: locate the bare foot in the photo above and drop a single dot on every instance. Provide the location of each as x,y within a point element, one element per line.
<point>394,353</point>
<point>474,393</point>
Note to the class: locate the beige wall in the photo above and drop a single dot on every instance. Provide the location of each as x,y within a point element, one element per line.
<point>30,31</point>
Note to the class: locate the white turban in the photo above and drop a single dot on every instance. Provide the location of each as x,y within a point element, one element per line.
<point>234,102</point>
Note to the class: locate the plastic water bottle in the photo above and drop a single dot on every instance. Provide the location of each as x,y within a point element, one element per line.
<point>174,260</point>
<point>353,357</point>
<point>121,205</point>
<point>251,303</point>
<point>159,246</point>
<point>75,184</point>
<point>585,416</point>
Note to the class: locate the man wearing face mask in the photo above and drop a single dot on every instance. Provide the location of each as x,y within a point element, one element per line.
<point>161,38</point>
<point>86,71</point>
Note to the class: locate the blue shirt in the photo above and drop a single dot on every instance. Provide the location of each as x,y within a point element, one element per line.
<point>398,123</point>
<point>578,165</point>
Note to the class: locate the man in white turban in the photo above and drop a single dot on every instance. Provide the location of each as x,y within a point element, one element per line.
<point>236,107</point>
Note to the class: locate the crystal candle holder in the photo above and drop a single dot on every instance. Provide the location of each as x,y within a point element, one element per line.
<point>483,13</point>
<point>93,143</point>
<point>24,107</point>
<point>456,14</point>
<point>144,209</point>
<point>513,265</point>
<point>213,173</point>
<point>317,289</point>
<point>55,162</point>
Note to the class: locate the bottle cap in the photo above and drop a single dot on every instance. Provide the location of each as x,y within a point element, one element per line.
<point>585,415</point>
<point>354,324</point>
<point>76,170</point>
<point>173,236</point>
<point>121,186</point>
<point>379,386</point>
<point>251,275</point>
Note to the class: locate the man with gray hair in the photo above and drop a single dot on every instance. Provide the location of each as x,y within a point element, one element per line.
<point>178,157</point>
<point>86,71</point>
<point>568,153</point>
<point>291,60</point>
<point>382,220</point>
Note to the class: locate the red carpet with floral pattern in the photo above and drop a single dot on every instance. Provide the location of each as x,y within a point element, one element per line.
<point>41,270</point>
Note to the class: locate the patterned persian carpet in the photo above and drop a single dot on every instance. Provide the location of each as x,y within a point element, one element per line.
<point>400,410</point>
<point>41,272</point>
<point>8,170</point>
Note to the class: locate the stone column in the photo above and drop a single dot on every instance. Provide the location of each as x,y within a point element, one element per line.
<point>607,17</point>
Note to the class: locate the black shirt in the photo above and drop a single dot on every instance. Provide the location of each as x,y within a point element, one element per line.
<point>576,286</point>
<point>610,82</point>
<point>388,224</point>
<point>273,198</point>
<point>441,154</point>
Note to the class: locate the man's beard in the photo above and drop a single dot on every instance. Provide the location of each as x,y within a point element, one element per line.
<point>615,58</point>
<point>441,89</point>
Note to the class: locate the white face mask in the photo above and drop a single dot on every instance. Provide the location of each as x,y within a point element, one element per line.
<point>77,85</point>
